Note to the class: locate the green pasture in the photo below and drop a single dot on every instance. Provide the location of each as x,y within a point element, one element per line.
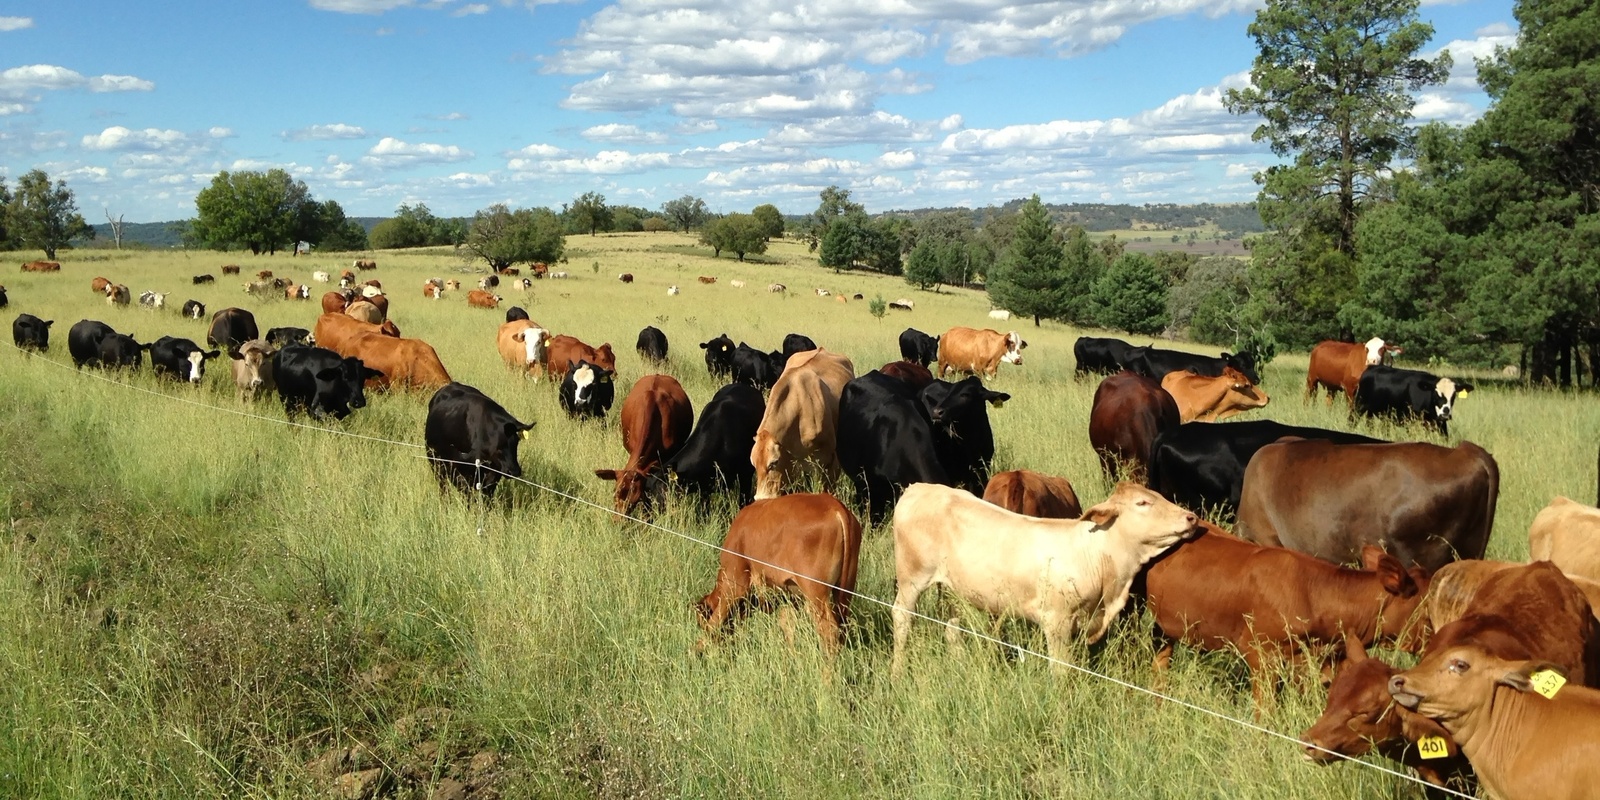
<point>198,603</point>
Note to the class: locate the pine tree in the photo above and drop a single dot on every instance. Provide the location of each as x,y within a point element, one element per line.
<point>1029,279</point>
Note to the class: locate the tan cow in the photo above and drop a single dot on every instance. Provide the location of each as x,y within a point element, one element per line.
<point>1033,494</point>
<point>41,266</point>
<point>801,421</point>
<point>1209,399</point>
<point>1568,533</point>
<point>118,295</point>
<point>976,352</point>
<point>364,311</point>
<point>403,363</point>
<point>522,346</point>
<point>1070,577</point>
<point>252,369</point>
<point>479,298</point>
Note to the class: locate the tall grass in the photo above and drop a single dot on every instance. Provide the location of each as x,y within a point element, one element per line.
<point>197,603</point>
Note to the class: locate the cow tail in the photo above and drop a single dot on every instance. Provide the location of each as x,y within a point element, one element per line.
<point>849,528</point>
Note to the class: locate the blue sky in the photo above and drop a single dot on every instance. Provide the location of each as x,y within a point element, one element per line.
<point>461,104</point>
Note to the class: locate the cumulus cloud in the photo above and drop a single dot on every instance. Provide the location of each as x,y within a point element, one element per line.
<point>120,83</point>
<point>12,108</point>
<point>21,85</point>
<point>15,23</point>
<point>391,152</point>
<point>359,6</point>
<point>1465,52</point>
<point>470,9</point>
<point>118,138</point>
<point>323,133</point>
<point>622,134</point>
<point>220,133</point>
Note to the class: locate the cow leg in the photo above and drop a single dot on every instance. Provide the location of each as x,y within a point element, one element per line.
<point>1263,660</point>
<point>905,601</point>
<point>819,603</point>
<point>1058,635</point>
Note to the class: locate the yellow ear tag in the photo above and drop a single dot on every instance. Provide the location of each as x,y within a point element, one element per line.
<point>1547,682</point>
<point>1463,393</point>
<point>522,434</point>
<point>1433,747</point>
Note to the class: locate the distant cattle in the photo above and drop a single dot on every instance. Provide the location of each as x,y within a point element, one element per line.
<point>717,454</point>
<point>1104,355</point>
<point>41,266</point>
<point>433,288</point>
<point>672,290</point>
<point>1155,364</point>
<point>652,345</point>
<point>977,352</point>
<point>472,441</point>
<point>199,279</point>
<point>259,288</point>
<point>278,337</point>
<point>320,382</point>
<point>478,298</point>
<point>510,272</point>
<point>365,264</point>
<point>181,359</point>
<point>252,369</point>
<point>1000,314</point>
<point>98,286</point>
<point>801,422</point>
<point>1200,466</point>
<point>1404,394</point>
<point>1128,413</point>
<point>264,274</point>
<point>4,301</point>
<point>1567,533</point>
<point>918,347</point>
<point>522,346</point>
<point>706,279</point>
<point>232,327</point>
<point>381,302</point>
<point>1212,399</point>
<point>626,277</point>
<point>118,295</point>
<point>346,279</point>
<point>587,391</point>
<point>515,313</point>
<point>83,342</point>
<point>563,350</point>
<point>452,285</point>
<point>736,283</point>
<point>903,304</point>
<point>822,292</point>
<point>230,269</point>
<point>719,356</point>
<point>522,284</point>
<point>297,292</point>
<point>321,277</point>
<point>540,269</point>
<point>488,282</point>
<point>777,288</point>
<point>1033,494</point>
<point>1337,366</point>
<point>193,309</point>
<point>120,351</point>
<point>656,421</point>
<point>29,332</point>
<point>371,289</point>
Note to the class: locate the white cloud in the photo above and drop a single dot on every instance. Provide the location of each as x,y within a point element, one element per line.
<point>118,138</point>
<point>15,23</point>
<point>1465,52</point>
<point>453,116</point>
<point>359,6</point>
<point>120,83</point>
<point>323,133</point>
<point>899,159</point>
<point>877,127</point>
<point>1434,106</point>
<point>220,133</point>
<point>22,84</point>
<point>12,108</point>
<point>471,8</point>
<point>605,162</point>
<point>390,151</point>
<point>622,134</point>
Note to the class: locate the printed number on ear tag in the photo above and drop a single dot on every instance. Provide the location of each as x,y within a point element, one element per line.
<point>1547,682</point>
<point>1433,747</point>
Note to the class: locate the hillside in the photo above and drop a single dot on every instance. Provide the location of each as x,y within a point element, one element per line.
<point>168,235</point>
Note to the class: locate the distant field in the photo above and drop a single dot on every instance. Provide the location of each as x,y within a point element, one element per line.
<point>1161,241</point>
<point>195,603</point>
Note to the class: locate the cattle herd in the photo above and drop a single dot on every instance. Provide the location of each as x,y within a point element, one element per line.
<point>1341,541</point>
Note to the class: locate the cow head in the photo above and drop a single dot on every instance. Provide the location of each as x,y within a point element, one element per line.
<point>1455,682</point>
<point>1360,713</point>
<point>584,378</point>
<point>1244,362</point>
<point>503,457</point>
<point>194,366</point>
<point>342,389</point>
<point>1445,392</point>
<point>1014,345</point>
<point>194,309</point>
<point>533,342</point>
<point>252,364</point>
<point>948,404</point>
<point>719,355</point>
<point>1147,518</point>
<point>771,464</point>
<point>631,485</point>
<point>388,328</point>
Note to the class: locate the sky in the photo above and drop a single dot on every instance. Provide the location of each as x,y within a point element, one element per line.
<point>460,104</point>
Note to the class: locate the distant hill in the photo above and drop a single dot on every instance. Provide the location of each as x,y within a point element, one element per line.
<point>164,235</point>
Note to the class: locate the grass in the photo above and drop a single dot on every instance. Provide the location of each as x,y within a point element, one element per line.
<point>198,603</point>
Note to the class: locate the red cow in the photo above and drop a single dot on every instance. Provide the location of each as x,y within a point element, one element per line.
<point>405,363</point>
<point>479,298</point>
<point>915,375</point>
<point>334,302</point>
<point>1338,366</point>
<point>656,421</point>
<point>1129,412</point>
<point>1033,494</point>
<point>564,350</point>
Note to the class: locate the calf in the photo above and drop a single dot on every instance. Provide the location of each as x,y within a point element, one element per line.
<point>1405,394</point>
<point>1338,366</point>
<point>294,292</point>
<point>199,279</point>
<point>672,290</point>
<point>320,382</point>
<point>1033,494</point>
<point>911,374</point>
<point>801,422</point>
<point>118,295</point>
<point>1129,412</point>
<point>652,345</point>
<point>180,358</point>
<point>231,327</point>
<point>719,356</point>
<point>1000,314</point>
<point>717,454</point>
<point>656,421</point>
<point>902,304</point>
<point>918,347</point>
<point>29,332</point>
<point>153,300</point>
<point>193,309</point>
<point>587,391</point>
<point>321,277</point>
<point>626,277</point>
<point>41,266</point>
<point>1201,465</point>
<point>800,544</point>
<point>120,351</point>
<point>736,283</point>
<point>230,269</point>
<point>777,288</point>
<point>522,346</point>
<point>1212,399</point>
<point>472,440</point>
<point>478,298</point>
<point>1104,355</point>
<point>1567,533</point>
<point>98,285</point>
<point>252,369</point>
<point>365,264</point>
<point>1070,577</point>
<point>1523,611</point>
<point>83,341</point>
<point>707,279</point>
<point>562,351</point>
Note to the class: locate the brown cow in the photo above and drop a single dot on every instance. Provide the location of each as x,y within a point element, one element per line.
<point>656,421</point>
<point>230,269</point>
<point>1208,399</point>
<point>1129,412</point>
<point>976,352</point>
<point>452,285</point>
<point>405,363</point>
<point>433,288</point>
<point>803,544</point>
<point>366,311</point>
<point>99,285</point>
<point>1033,494</point>
<point>334,302</point>
<point>118,295</point>
<point>1568,533</point>
<point>365,264</point>
<point>347,279</point>
<point>264,275</point>
<point>706,279</point>
<point>252,369</point>
<point>381,302</point>
<point>333,331</point>
<point>479,298</point>
<point>1523,611</point>
<point>915,375</point>
<point>1427,504</point>
<point>560,350</point>
<point>1338,366</point>
<point>626,277</point>
<point>522,345</point>
<point>801,422</point>
<point>42,266</point>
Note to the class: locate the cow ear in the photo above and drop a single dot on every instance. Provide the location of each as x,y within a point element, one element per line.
<point>1463,388</point>
<point>518,336</point>
<point>211,354</point>
<point>49,322</point>
<point>996,399</point>
<point>606,474</point>
<point>705,345</point>
<point>234,354</point>
<point>369,373</point>
<point>1101,515</point>
<point>1520,676</point>
<point>1395,579</point>
<point>330,374</point>
<point>1371,554</point>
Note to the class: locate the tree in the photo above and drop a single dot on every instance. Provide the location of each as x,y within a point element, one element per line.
<point>1029,279</point>
<point>834,205</point>
<point>655,225</point>
<point>771,220</point>
<point>258,210</point>
<point>6,238</point>
<point>348,236</point>
<point>845,242</point>
<point>1208,304</point>
<point>448,231</point>
<point>928,262</point>
<point>115,223</point>
<point>504,237</point>
<point>736,233</point>
<point>1132,296</point>
<point>1082,264</point>
<point>686,213</point>
<point>45,216</point>
<point>589,213</point>
<point>626,221</point>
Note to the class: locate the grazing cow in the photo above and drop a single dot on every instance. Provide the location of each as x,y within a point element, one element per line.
<point>801,422</point>
<point>918,348</point>
<point>656,421</point>
<point>626,277</point>
<point>278,337</point>
<point>558,275</point>
<point>652,345</point>
<point>510,272</point>
<point>961,431</point>
<point>1404,394</point>
<point>1200,466</point>
<point>320,382</point>
<point>252,369</point>
<point>181,358</point>
<point>978,352</point>
<point>540,269</point>
<point>1429,505</point>
<point>120,351</point>
<point>4,301</point>
<point>433,288</point>
<point>264,274</point>
<point>452,285</point>
<point>336,331</point>
<point>230,269</point>
<point>796,343</point>
<point>515,313</point>
<point>857,296</point>
<point>672,290</point>
<point>1567,533</point>
<point>522,284</point>
<point>1217,592</point>
<point>365,264</point>
<point>400,363</point>
<point>1070,577</point>
<point>886,441</point>
<point>562,351</point>
<point>321,277</point>
<point>371,289</point>
<point>297,292</point>
<point>41,266</point>
<point>777,288</point>
<point>736,283</point>
<point>755,368</point>
<point>232,327</point>
<point>98,286</point>
<point>478,298</point>
<point>1000,314</point>
<point>335,302</point>
<point>118,295</point>
<point>706,279</point>
<point>1212,399</point>
<point>801,544</point>
<point>258,288</point>
<point>193,309</point>
<point>489,282</point>
<point>346,279</point>
<point>29,332</point>
<point>822,292</point>
<point>472,440</point>
<point>522,345</point>
<point>366,311</point>
<point>1129,412</point>
<point>839,298</point>
<point>199,279</point>
<point>1155,364</point>
<point>1338,366</point>
<point>1104,355</point>
<point>1033,494</point>
<point>587,391</point>
<point>902,304</point>
<point>83,342</point>
<point>913,375</point>
<point>719,356</point>
<point>717,454</point>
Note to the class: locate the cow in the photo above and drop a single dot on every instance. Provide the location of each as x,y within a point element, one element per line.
<point>672,290</point>
<point>120,351</point>
<point>558,275</point>
<point>776,288</point>
<point>472,440</point>
<point>346,279</point>
<point>28,332</point>
<point>1429,505</point>
<point>839,298</point>
<point>800,544</point>
<point>258,288</point>
<point>180,358</point>
<point>1070,577</point>
<point>1211,399</point>
<point>231,327</point>
<point>478,298</point>
<point>1154,363</point>
<point>489,282</point>
<point>796,343</point>
<point>230,269</point>
<point>193,309</point>
<point>365,311</point>
<point>978,352</point>
<point>4,301</point>
<point>400,363</point>
<point>719,356</point>
<point>118,295</point>
<point>717,454</point>
<point>320,382</point>
<point>336,331</point>
<point>1033,494</point>
<point>335,302</point>
<point>1404,394</point>
<point>541,269</point>
<point>1525,610</point>
<point>41,266</point>
<point>83,341</point>
<point>857,296</point>
<point>1000,314</point>
<point>433,288</point>
<point>656,421</point>
<point>913,375</point>
<point>1337,366</point>
<point>1130,411</point>
<point>380,302</point>
<point>736,283</point>
<point>252,369</point>
<point>1567,533</point>
<point>801,422</point>
<point>886,441</point>
<point>626,277</point>
<point>522,284</point>
<point>1200,466</point>
<point>822,292</point>
<point>1217,592</point>
<point>297,292</point>
<point>902,304</point>
<point>962,434</point>
<point>1104,355</point>
<point>522,345</point>
<point>321,276</point>
<point>652,345</point>
<point>562,351</point>
<point>452,285</point>
<point>918,348</point>
<point>515,313</point>
<point>265,274</point>
<point>706,279</point>
<point>98,286</point>
<point>365,264</point>
<point>199,279</point>
<point>755,368</point>
<point>587,391</point>
<point>278,337</point>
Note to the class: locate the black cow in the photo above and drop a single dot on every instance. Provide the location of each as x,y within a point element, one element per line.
<point>719,356</point>
<point>886,441</point>
<point>919,348</point>
<point>652,344</point>
<point>1409,394</point>
<point>962,434</point>
<point>717,454</point>
<point>199,279</point>
<point>193,309</point>
<point>796,343</point>
<point>587,390</point>
<point>1200,466</point>
<point>278,337</point>
<point>465,429</point>
<point>31,333</point>
<point>755,368</point>
<point>319,381</point>
<point>513,314</point>
<point>1155,364</point>
<point>232,327</point>
<point>182,359</point>
<point>4,301</point>
<point>83,342</point>
<point>120,351</point>
<point>1096,354</point>
<point>489,282</point>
